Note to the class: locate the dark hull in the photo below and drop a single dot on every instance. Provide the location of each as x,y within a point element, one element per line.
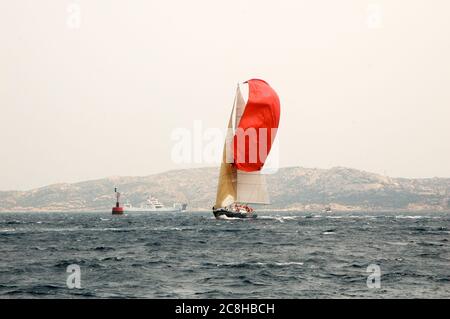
<point>218,213</point>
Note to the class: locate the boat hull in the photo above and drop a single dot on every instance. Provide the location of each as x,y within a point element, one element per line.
<point>224,213</point>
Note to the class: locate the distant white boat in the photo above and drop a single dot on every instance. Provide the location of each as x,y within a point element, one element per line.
<point>153,205</point>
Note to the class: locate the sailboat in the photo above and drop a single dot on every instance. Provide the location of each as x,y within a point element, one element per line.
<point>251,131</point>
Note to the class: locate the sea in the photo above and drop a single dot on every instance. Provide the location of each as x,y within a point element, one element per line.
<point>192,255</point>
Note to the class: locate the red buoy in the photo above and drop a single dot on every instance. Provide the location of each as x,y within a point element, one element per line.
<point>117,210</point>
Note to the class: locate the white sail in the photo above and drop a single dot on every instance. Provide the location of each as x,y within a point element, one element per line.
<point>252,188</point>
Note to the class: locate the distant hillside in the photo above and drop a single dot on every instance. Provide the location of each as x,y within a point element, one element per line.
<point>291,188</point>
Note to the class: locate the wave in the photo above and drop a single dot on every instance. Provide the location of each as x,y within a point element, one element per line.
<point>81,262</point>
<point>14,222</point>
<point>397,243</point>
<point>7,230</point>
<point>280,219</point>
<point>430,244</point>
<point>103,248</point>
<point>170,228</point>
<point>115,258</point>
<point>224,217</point>
<point>255,264</point>
<point>291,263</point>
<point>409,217</point>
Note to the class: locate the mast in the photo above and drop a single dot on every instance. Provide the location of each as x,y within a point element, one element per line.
<point>226,189</point>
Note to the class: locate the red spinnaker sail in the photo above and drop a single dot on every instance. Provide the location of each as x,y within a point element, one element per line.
<point>257,129</point>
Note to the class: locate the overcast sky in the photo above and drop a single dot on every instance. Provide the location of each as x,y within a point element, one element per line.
<point>363,84</point>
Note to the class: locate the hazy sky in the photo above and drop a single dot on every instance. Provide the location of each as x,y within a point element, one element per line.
<point>363,84</point>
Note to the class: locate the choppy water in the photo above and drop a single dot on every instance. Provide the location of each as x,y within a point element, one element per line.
<point>192,255</point>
